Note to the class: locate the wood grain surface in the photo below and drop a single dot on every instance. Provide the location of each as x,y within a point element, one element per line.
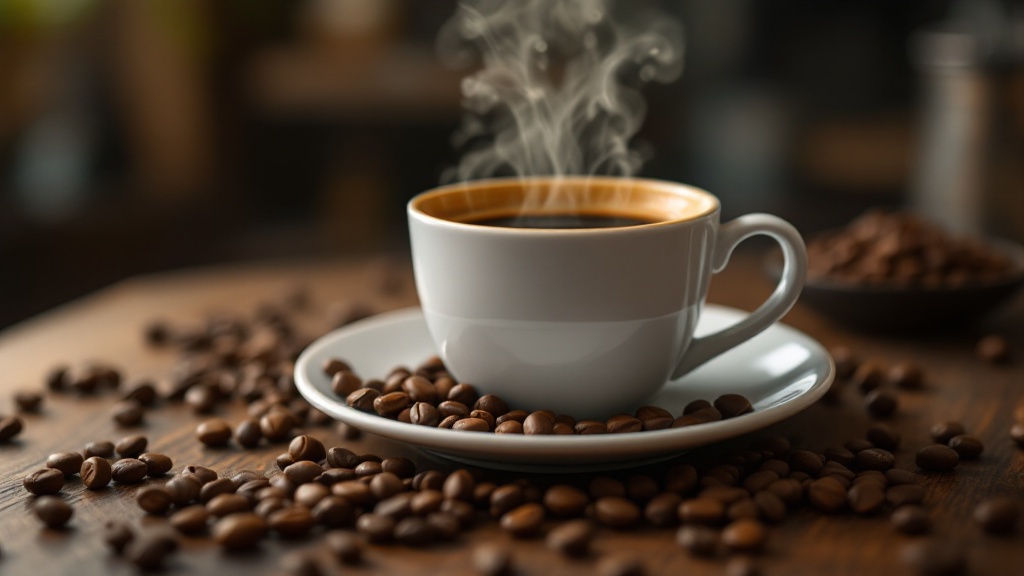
<point>108,326</point>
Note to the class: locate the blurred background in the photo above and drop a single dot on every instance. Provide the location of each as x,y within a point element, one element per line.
<point>138,136</point>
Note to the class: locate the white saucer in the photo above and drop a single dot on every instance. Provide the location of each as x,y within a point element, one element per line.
<point>782,371</point>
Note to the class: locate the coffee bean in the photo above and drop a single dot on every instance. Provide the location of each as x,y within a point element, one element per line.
<point>906,375</point>
<point>332,366</point>
<point>866,498</point>
<point>616,512</point>
<point>943,432</point>
<point>898,477</point>
<point>142,392</point>
<point>967,447</point>
<point>414,531</point>
<point>103,449</point>
<point>911,519</point>
<point>391,404</point>
<point>875,459</point>
<point>154,499</point>
<point>571,538</point>
<point>239,531</point>
<point>201,473</point>
<point>619,565</point>
<point>211,490</point>
<point>701,511</point>
<point>827,495</point>
<point>993,349</point>
<point>1017,434</point>
<point>561,500</point>
<point>732,405</point>
<point>156,464</point>
<point>930,558</point>
<point>492,559</point>
<point>641,488</point>
<point>937,458</point>
<point>292,522</point>
<point>867,376</point>
<point>771,508</point>
<point>805,461</point>
<point>883,436</point>
<point>214,432</point>
<point>760,480</point>
<point>470,425</point>
<point>420,389</point>
<point>44,481</point>
<point>461,510</point>
<point>424,414</point>
<point>52,511</point>
<point>69,463</point>
<point>223,505</point>
<point>524,520</point>
<point>131,446</point>
<point>997,515</point>
<point>510,427</point>
<point>302,472</point>
<point>905,494</point>
<point>623,424</point>
<point>697,540</point>
<point>681,479</point>
<point>117,534</point>
<point>538,423</point>
<point>304,447</point>
<point>345,382</point>
<point>127,413</point>
<point>184,489</point>
<point>745,508</point>
<point>334,512</point>
<point>855,445</point>
<point>338,457</point>
<point>662,510</point>
<point>28,401</point>
<point>881,403</point>
<point>363,399</point>
<point>96,473</point>
<point>276,426</point>
<point>491,403</point>
<point>190,520</point>
<point>346,546</point>
<point>745,535</point>
<point>128,471</point>
<point>376,528</point>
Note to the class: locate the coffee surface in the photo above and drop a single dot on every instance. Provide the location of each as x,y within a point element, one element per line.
<point>562,221</point>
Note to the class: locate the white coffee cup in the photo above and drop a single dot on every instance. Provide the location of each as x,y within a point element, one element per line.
<point>584,321</point>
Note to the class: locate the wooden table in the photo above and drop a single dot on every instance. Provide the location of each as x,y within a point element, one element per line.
<point>108,326</point>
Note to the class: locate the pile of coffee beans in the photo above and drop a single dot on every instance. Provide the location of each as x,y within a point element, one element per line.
<point>428,395</point>
<point>881,248</point>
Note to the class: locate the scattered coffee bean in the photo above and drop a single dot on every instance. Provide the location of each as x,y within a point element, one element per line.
<point>103,449</point>
<point>827,495</point>
<point>698,540</point>
<point>28,401</point>
<point>907,375</point>
<point>69,463</point>
<point>291,522</point>
<point>997,515</point>
<point>883,436</point>
<point>239,531</point>
<point>561,500</point>
<point>616,512</point>
<point>911,519</point>
<point>524,520</point>
<point>376,528</point>
<point>745,535</point>
<point>303,472</point>
<point>127,413</point>
<point>305,447</point>
<point>993,349</point>
<point>662,510</point>
<point>967,447</point>
<point>346,546</point>
<point>937,458</point>
<point>875,459</point>
<point>866,498</point>
<point>732,405</point>
<point>248,433</point>
<point>96,472</point>
<point>154,499</point>
<point>52,511</point>
<point>190,520</point>
<point>117,534</point>
<point>492,559</point>
<point>128,471</point>
<point>156,464</point>
<point>277,426</point>
<point>131,446</point>
<point>215,488</point>
<point>10,426</point>
<point>943,432</point>
<point>702,511</point>
<point>881,403</point>
<point>214,432</point>
<point>201,473</point>
<point>44,481</point>
<point>149,549</point>
<point>571,538</point>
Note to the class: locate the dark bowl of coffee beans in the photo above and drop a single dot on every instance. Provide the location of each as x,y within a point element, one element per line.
<point>898,272</point>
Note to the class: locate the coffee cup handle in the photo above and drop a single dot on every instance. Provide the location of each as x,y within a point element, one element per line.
<point>794,271</point>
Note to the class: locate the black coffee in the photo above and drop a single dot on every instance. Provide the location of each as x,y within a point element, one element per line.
<point>562,221</point>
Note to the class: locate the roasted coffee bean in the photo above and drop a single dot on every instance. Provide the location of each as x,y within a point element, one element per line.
<point>780,467</point>
<point>760,480</point>
<point>492,559</point>
<point>420,389</point>
<point>96,473</point>
<point>58,379</point>
<point>190,520</point>
<point>997,515</point>
<point>702,511</point>
<point>681,479</point>
<point>345,382</point>
<point>937,458</point>
<point>461,510</point>
<point>44,481</point>
<point>156,464</point>
<point>867,376</point>
<point>117,534</point>
<point>561,500</point>
<point>616,512</point>
<point>459,485</point>
<point>770,507</point>
<point>424,414</point>
<point>131,446</point>
<point>52,511</point>
<point>128,471</point>
<point>452,408</point>
<point>211,490</point>
<point>698,540</point>
<point>653,418</point>
<point>332,366</point>
<point>881,403</point>
<point>855,445</point>
<point>346,546</point>
<point>662,510</point>
<point>338,457</point>
<point>154,499</point>
<point>485,416</point>
<point>866,498</point>
<point>69,463</point>
<point>239,531</point>
<point>732,405</point>
<point>223,505</point>
<point>149,549</point>
<point>523,521</point>
<point>967,447</point>
<point>385,485</point>
<point>264,508</point>
<point>993,349</point>
<point>571,538</point>
<point>883,436</point>
<point>906,375</point>
<point>932,558</point>
<point>391,404</point>
<point>446,526</point>
<point>910,519</point>
<point>745,535</point>
<point>470,425</point>
<point>399,466</point>
<point>745,508</point>
<point>414,531</point>
<point>827,495</point>
<point>103,449</point>
<point>398,506</point>
<point>905,494</point>
<point>356,492</point>
<point>491,403</point>
<point>363,399</point>
<point>509,496</point>
<point>805,461</point>
<point>538,423</point>
<point>202,398</point>
<point>200,473</point>
<point>465,394</point>
<point>28,401</point>
<point>292,522</point>
<point>590,427</point>
<point>277,426</point>
<point>623,424</point>
<point>334,512</point>
<point>943,432</point>
<point>302,472</point>
<point>184,489</point>
<point>426,501</point>
<point>875,459</point>
<point>127,413</point>
<point>448,422</point>
<point>517,415</point>
<point>214,432</point>
<point>368,468</point>
<point>724,494</point>
<point>142,392</point>
<point>376,528</point>
<point>304,447</point>
<point>248,434</point>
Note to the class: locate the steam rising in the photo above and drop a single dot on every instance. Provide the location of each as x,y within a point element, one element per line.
<point>558,90</point>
